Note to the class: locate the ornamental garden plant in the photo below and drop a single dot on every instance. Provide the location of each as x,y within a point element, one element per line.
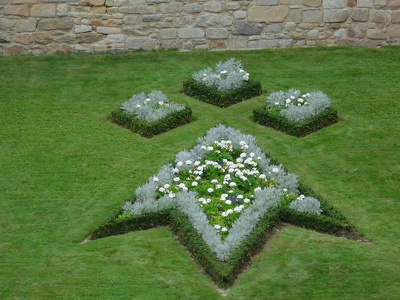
<point>223,86</point>
<point>151,114</point>
<point>295,113</point>
<point>222,198</point>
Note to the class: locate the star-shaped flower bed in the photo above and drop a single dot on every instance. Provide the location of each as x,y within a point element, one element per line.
<point>222,198</point>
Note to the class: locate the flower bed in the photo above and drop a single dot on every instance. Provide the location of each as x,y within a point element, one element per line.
<point>222,198</point>
<point>227,85</point>
<point>295,113</point>
<point>151,114</point>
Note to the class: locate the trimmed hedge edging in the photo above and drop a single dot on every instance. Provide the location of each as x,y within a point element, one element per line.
<point>275,120</point>
<point>211,95</point>
<point>147,129</point>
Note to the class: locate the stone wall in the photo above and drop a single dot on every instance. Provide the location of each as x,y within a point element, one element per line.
<point>54,26</point>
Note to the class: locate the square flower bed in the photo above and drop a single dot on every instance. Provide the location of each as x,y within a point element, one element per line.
<point>151,114</point>
<point>295,113</point>
<point>222,198</point>
<point>227,85</point>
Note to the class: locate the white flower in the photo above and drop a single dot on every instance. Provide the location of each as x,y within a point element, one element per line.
<point>285,190</point>
<point>229,202</point>
<point>161,103</point>
<point>176,170</point>
<point>292,97</point>
<point>196,163</point>
<point>194,183</point>
<point>218,186</point>
<point>224,229</point>
<point>275,170</point>
<point>224,72</point>
<point>276,103</point>
<point>181,185</point>
<point>242,143</point>
<point>176,179</point>
<point>239,196</point>
<point>214,181</point>
<point>257,189</point>
<point>210,190</point>
<point>300,100</point>
<point>288,101</point>
<point>298,104</point>
<point>263,176</point>
<point>188,162</point>
<point>184,189</point>
<point>246,200</point>
<point>301,197</point>
<point>171,195</point>
<point>218,227</point>
<point>179,163</point>
<point>147,100</point>
<point>243,155</point>
<point>166,185</point>
<point>210,148</point>
<point>161,189</point>
<point>138,106</point>
<point>232,184</point>
<point>155,179</point>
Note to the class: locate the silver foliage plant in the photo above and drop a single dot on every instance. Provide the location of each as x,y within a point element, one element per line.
<point>151,107</point>
<point>228,75</point>
<point>296,106</point>
<point>187,201</point>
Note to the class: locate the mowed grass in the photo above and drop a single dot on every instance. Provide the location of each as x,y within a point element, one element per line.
<point>64,167</point>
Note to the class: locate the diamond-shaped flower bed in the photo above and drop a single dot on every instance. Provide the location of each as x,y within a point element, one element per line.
<point>151,114</point>
<point>222,198</point>
<point>295,113</point>
<point>227,85</point>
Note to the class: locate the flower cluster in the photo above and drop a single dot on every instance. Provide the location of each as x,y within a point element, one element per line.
<point>296,106</point>
<point>151,107</point>
<point>225,180</point>
<point>227,76</point>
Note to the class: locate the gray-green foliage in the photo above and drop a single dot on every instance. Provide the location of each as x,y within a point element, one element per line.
<point>187,202</point>
<point>151,107</point>
<point>298,107</point>
<point>228,75</point>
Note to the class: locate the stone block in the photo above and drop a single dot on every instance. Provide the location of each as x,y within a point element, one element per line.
<point>313,34</point>
<point>190,33</point>
<point>312,3</point>
<point>26,25</point>
<point>312,16</point>
<point>192,8</point>
<point>55,24</point>
<point>357,30</point>
<point>168,34</point>
<point>158,1</point>
<point>216,33</point>
<point>393,31</point>
<point>333,4</point>
<point>43,10</point>
<point>365,3</point>
<point>360,14</point>
<point>5,37</point>
<point>335,15</point>
<point>89,37</point>
<point>115,38</point>
<point>379,4</point>
<point>171,44</point>
<point>16,10</point>
<point>240,14</point>
<point>396,17</point>
<point>267,13</point>
<point>23,38</point>
<point>108,30</point>
<point>214,20</point>
<point>172,8</point>
<point>142,43</point>
<point>267,2</point>
<point>273,28</point>
<point>380,16</point>
<point>129,20</point>
<point>340,33</point>
<point>43,37</point>
<point>351,3</point>
<point>291,2</point>
<point>138,9</point>
<point>295,15</point>
<point>153,18</point>
<point>96,2</point>
<point>232,6</point>
<point>82,28</point>
<point>213,6</point>
<point>14,50</point>
<point>242,28</point>
<point>394,4</point>
<point>376,34</point>
<point>63,9</point>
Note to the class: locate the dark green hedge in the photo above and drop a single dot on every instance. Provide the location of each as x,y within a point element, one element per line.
<point>147,129</point>
<point>275,120</point>
<point>200,91</point>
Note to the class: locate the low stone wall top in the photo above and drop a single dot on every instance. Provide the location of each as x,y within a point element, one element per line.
<point>53,26</point>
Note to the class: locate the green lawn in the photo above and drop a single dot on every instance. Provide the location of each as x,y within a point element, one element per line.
<point>64,167</point>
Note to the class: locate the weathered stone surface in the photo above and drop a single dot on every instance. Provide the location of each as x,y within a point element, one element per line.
<point>43,37</point>
<point>291,2</point>
<point>172,8</point>
<point>267,2</point>
<point>89,37</point>
<point>138,9</point>
<point>96,2</point>
<point>394,4</point>
<point>393,31</point>
<point>273,28</point>
<point>115,38</point>
<point>192,8</point>
<point>277,43</point>
<point>335,15</point>
<point>396,17</point>
<point>23,38</point>
<point>63,9</point>
<point>333,3</point>
<point>190,33</point>
<point>168,34</point>
<point>351,3</point>
<point>153,18</point>
<point>312,16</point>
<point>232,6</point>
<point>216,33</point>
<point>240,14</point>
<point>213,6</point>
<point>380,16</point>
<point>365,3</point>
<point>379,4</point>
<point>295,15</point>
<point>242,28</point>
<point>237,42</point>
<point>55,24</point>
<point>14,50</point>
<point>7,23</point>
<point>108,30</point>
<point>376,34</point>
<point>129,20</point>
<point>141,43</point>
<point>214,20</point>
<point>357,30</point>
<point>158,1</point>
<point>313,34</point>
<point>16,10</point>
<point>5,37</point>
<point>26,25</point>
<point>360,14</point>
<point>340,33</point>
<point>217,44</point>
<point>82,28</point>
<point>43,10</point>
<point>268,13</point>
<point>312,3</point>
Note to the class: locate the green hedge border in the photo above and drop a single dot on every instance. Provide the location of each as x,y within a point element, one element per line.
<point>149,129</point>
<point>275,120</point>
<point>211,95</point>
<point>224,274</point>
